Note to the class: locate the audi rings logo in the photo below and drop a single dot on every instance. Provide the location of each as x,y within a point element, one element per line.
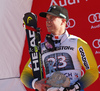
<point>82,72</point>
<point>96,43</point>
<point>99,68</point>
<point>71,23</point>
<point>94,18</point>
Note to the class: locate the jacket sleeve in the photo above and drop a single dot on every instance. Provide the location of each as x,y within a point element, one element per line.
<point>27,75</point>
<point>87,60</point>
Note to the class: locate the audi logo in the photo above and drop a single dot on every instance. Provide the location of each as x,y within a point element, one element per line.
<point>71,23</point>
<point>99,68</point>
<point>96,43</point>
<point>92,18</point>
<point>82,72</point>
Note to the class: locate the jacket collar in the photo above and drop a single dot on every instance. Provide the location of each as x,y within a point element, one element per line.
<point>61,37</point>
<point>65,36</point>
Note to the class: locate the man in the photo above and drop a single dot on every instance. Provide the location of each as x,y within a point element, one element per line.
<point>63,52</point>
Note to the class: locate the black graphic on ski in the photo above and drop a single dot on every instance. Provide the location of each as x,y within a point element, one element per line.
<point>34,41</point>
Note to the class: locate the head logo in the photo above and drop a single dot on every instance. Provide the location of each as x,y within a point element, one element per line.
<point>92,18</point>
<point>71,23</point>
<point>96,43</point>
<point>29,19</point>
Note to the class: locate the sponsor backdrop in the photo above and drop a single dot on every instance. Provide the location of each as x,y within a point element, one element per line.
<point>84,22</point>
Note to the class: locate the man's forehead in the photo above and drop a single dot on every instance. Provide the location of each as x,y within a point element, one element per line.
<point>51,16</point>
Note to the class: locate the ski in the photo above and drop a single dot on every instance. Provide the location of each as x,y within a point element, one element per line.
<point>34,42</point>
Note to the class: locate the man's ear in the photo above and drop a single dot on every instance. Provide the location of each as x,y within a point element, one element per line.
<point>63,20</point>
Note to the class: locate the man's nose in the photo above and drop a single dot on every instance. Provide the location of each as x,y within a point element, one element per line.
<point>48,21</point>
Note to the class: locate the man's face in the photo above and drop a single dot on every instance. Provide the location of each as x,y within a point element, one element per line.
<point>53,23</point>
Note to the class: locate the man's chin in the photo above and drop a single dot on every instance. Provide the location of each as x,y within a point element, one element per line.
<point>49,30</point>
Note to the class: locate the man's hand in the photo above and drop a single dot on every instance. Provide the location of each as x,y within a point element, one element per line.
<point>75,87</point>
<point>72,89</point>
<point>41,85</point>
